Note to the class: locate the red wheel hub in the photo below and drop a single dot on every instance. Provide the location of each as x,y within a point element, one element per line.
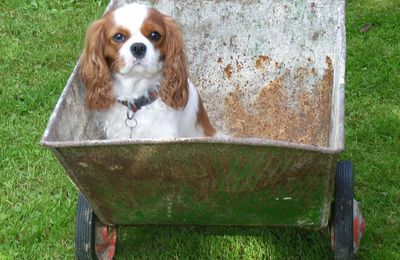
<point>105,240</point>
<point>358,228</point>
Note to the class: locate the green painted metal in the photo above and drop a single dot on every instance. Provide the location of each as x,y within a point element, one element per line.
<point>230,185</point>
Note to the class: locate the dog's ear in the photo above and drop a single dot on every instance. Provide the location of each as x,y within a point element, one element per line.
<point>174,89</point>
<point>94,70</point>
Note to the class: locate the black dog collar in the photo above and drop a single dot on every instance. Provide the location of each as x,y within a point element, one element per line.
<point>137,103</point>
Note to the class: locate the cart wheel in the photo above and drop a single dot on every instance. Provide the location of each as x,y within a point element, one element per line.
<point>93,239</point>
<point>347,225</point>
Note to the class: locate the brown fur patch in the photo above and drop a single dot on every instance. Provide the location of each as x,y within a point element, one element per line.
<point>111,49</point>
<point>100,57</point>
<point>174,89</point>
<point>154,23</point>
<point>203,121</point>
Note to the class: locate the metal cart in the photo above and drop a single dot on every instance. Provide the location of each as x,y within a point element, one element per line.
<point>271,74</point>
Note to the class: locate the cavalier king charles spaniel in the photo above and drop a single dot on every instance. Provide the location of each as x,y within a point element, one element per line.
<point>136,75</point>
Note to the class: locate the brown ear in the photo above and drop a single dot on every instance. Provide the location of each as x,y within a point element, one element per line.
<point>94,70</point>
<point>174,89</point>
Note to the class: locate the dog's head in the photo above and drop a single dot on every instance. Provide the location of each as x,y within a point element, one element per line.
<point>134,41</point>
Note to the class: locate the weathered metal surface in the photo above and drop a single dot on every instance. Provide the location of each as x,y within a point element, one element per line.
<point>231,184</point>
<point>271,74</point>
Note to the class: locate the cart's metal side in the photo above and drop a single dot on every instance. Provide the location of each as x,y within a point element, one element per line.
<point>202,183</point>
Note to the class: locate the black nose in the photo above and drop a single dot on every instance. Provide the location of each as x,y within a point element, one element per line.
<point>138,50</point>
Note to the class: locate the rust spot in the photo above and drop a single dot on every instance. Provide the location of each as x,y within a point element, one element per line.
<point>313,71</point>
<point>262,59</point>
<point>271,116</point>
<point>238,66</point>
<point>228,71</point>
<point>302,73</point>
<point>219,60</point>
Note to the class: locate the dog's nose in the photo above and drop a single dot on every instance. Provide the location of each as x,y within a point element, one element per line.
<point>138,50</point>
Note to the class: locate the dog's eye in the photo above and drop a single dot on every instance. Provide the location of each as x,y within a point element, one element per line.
<point>119,37</point>
<point>155,36</point>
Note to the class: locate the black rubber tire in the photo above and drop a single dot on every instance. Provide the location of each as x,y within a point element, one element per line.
<point>343,211</point>
<point>85,230</point>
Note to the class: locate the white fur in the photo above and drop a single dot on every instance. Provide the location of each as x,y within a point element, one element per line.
<point>156,120</point>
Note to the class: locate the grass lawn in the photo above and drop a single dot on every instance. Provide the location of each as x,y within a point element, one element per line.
<point>40,44</point>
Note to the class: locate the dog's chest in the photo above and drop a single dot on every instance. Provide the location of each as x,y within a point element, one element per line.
<point>152,121</point>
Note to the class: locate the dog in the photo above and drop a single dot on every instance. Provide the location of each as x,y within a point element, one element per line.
<point>135,71</point>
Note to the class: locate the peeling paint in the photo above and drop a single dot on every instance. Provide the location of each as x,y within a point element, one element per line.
<point>116,167</point>
<point>83,164</point>
<point>170,204</point>
<point>304,222</point>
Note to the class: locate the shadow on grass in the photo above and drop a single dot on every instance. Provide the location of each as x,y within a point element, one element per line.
<point>168,242</point>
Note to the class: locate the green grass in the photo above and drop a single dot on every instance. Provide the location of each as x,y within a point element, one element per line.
<point>40,44</point>
<point>373,121</point>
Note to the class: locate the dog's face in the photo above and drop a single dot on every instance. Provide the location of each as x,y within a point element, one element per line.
<point>134,41</point>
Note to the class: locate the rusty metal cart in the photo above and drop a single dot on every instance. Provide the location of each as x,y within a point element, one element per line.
<point>271,74</point>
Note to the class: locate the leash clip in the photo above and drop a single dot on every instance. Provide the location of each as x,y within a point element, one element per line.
<point>130,120</point>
